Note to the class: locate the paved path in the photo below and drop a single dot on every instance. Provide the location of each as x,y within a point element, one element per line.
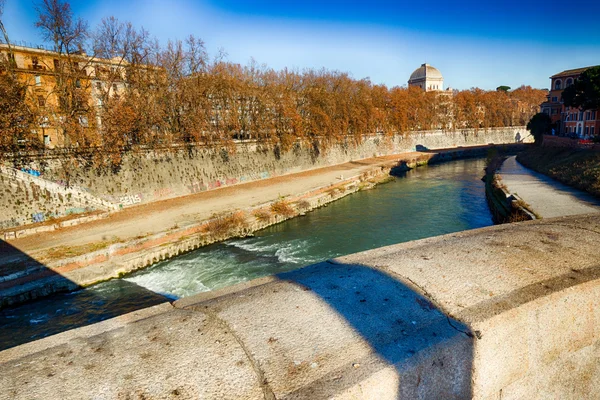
<point>545,196</point>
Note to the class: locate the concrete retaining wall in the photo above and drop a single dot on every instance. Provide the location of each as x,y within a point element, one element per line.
<point>505,312</point>
<point>149,177</point>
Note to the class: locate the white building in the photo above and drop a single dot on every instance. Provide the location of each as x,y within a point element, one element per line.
<point>427,78</point>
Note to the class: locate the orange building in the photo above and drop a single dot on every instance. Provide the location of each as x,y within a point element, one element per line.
<point>91,78</point>
<point>569,121</point>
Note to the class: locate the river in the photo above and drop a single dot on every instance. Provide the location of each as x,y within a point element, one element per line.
<point>428,201</point>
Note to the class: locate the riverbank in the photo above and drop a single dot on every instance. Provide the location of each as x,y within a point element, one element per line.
<point>576,167</point>
<point>506,207</point>
<point>80,256</point>
<point>544,196</point>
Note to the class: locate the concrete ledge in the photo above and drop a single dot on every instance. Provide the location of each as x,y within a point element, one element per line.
<point>509,312</point>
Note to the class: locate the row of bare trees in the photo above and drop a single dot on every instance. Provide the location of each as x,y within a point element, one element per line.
<point>176,95</point>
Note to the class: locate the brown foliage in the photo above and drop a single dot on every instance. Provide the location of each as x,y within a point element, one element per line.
<point>176,96</point>
<point>283,208</point>
<point>226,225</point>
<point>262,214</point>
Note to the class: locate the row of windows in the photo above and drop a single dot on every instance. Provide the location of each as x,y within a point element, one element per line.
<point>558,83</point>
<point>99,70</point>
<point>589,116</point>
<point>38,81</point>
<point>589,130</point>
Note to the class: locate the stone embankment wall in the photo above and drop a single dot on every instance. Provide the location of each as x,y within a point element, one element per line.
<point>504,312</point>
<point>504,206</point>
<point>26,198</point>
<point>148,177</point>
<point>71,272</point>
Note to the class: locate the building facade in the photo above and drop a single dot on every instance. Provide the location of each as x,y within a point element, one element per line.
<point>569,121</point>
<point>47,74</point>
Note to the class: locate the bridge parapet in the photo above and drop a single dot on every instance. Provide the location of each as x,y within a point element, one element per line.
<point>509,311</point>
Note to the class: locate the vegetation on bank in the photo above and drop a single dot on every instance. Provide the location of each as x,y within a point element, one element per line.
<point>177,95</point>
<point>579,168</point>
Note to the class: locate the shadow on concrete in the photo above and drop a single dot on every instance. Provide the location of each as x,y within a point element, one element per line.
<point>431,352</point>
<point>531,177</point>
<point>34,318</point>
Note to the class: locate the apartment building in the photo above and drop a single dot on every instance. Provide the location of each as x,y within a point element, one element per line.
<point>46,73</point>
<point>569,121</point>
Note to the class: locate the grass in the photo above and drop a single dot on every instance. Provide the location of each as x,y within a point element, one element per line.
<point>74,251</point>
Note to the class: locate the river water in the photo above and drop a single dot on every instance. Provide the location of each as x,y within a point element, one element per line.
<point>427,201</point>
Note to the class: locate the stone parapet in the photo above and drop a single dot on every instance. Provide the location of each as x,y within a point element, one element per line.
<point>509,312</point>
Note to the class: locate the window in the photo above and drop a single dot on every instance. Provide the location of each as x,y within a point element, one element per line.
<point>46,140</point>
<point>99,85</point>
<point>593,115</point>
<point>38,80</point>
<point>592,130</point>
<point>554,99</point>
<point>557,84</point>
<point>78,83</point>
<point>41,101</point>
<point>11,57</point>
<point>587,130</point>
<point>56,65</point>
<point>553,111</point>
<point>569,82</point>
<point>35,63</point>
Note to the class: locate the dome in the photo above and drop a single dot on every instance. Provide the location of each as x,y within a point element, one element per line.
<point>426,71</point>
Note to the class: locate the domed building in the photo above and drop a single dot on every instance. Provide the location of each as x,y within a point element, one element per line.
<point>427,78</point>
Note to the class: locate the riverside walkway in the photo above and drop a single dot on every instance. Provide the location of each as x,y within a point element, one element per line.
<point>545,196</point>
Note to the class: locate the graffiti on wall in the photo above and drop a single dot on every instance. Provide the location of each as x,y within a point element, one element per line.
<point>31,172</point>
<point>130,199</point>
<point>163,192</point>
<point>197,187</point>
<point>216,184</point>
<point>38,217</point>
<point>200,186</point>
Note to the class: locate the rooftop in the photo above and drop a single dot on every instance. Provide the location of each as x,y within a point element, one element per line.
<point>570,72</point>
<point>425,71</point>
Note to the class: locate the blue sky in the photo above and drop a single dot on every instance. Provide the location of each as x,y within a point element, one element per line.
<point>483,43</point>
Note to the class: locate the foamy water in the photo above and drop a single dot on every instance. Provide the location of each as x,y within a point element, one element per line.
<point>222,265</point>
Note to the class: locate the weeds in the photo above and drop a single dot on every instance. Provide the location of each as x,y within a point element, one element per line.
<point>302,205</point>
<point>226,225</point>
<point>262,214</point>
<point>283,208</point>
